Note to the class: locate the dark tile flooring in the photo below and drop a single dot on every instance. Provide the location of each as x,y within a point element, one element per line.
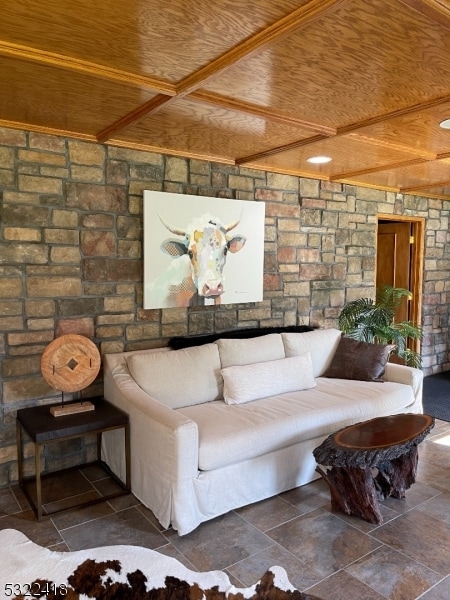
<point>326,553</point>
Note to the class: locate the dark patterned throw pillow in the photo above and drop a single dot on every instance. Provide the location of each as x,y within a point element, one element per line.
<point>359,360</point>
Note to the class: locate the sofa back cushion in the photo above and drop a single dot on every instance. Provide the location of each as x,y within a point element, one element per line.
<point>244,383</point>
<point>180,377</point>
<point>252,350</point>
<point>320,343</point>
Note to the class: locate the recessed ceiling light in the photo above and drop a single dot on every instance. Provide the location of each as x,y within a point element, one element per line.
<point>445,124</point>
<point>319,160</point>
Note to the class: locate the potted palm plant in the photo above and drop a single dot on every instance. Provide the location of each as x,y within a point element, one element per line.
<point>373,321</point>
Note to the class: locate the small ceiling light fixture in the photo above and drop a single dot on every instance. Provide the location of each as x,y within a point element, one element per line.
<point>319,160</point>
<point>445,124</point>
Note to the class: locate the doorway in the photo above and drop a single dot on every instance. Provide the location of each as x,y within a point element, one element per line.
<point>399,258</point>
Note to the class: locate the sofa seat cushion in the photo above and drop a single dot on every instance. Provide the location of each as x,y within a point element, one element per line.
<point>232,433</point>
<point>180,377</point>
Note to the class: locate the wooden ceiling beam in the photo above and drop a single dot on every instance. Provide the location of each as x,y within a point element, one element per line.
<point>271,151</point>
<point>259,111</point>
<point>436,10</point>
<point>301,17</point>
<point>150,107</point>
<point>424,186</point>
<point>351,174</point>
<point>87,68</point>
<point>47,130</point>
<point>162,150</point>
<point>416,152</point>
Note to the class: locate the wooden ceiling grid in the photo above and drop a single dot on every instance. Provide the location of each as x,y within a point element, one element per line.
<point>265,83</point>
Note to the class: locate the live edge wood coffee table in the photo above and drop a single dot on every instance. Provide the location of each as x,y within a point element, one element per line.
<point>371,459</point>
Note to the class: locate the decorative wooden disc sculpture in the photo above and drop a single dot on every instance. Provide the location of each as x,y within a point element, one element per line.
<point>70,363</point>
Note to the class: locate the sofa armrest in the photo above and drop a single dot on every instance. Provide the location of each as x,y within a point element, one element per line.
<point>408,376</point>
<point>162,439</point>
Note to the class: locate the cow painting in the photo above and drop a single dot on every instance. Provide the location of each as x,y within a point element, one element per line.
<point>199,257</point>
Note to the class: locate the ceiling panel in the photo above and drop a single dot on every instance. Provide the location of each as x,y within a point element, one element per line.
<point>48,97</point>
<point>412,178</point>
<point>189,127</point>
<point>348,155</point>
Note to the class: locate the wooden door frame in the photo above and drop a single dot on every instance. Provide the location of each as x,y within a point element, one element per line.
<point>417,262</point>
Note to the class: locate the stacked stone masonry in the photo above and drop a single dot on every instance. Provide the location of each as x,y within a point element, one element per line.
<point>71,260</point>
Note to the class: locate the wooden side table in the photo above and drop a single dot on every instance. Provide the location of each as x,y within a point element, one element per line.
<point>384,446</point>
<point>43,428</point>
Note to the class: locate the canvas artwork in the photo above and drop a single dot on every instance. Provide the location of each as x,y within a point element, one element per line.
<point>201,251</point>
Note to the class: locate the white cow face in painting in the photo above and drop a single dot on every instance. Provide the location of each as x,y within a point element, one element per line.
<point>206,242</point>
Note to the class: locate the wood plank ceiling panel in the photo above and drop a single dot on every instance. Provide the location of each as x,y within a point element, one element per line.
<point>186,127</point>
<point>68,102</point>
<point>410,179</point>
<point>350,155</point>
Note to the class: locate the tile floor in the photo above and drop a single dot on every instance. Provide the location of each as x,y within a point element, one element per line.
<point>331,555</point>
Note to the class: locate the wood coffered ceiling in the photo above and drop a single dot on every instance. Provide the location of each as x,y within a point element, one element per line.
<point>261,83</point>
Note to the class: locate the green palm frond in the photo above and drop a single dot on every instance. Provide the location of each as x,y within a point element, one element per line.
<point>373,321</point>
<point>390,298</point>
<point>409,329</point>
<point>413,359</point>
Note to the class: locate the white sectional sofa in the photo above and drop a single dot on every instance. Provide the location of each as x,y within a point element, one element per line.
<point>221,425</point>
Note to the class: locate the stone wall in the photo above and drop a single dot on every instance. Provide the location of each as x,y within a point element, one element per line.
<point>71,259</point>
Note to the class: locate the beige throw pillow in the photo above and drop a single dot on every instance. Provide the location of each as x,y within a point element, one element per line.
<point>244,383</point>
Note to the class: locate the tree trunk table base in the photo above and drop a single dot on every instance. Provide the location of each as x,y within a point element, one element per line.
<point>372,460</point>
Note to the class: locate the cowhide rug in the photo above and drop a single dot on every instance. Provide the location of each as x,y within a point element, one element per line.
<point>120,573</point>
